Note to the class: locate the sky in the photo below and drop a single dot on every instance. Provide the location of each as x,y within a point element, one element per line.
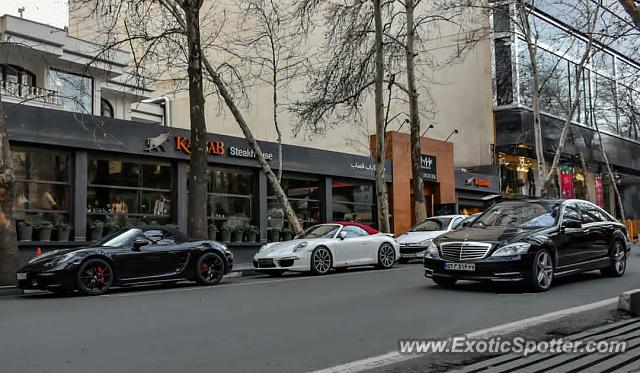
<point>51,12</point>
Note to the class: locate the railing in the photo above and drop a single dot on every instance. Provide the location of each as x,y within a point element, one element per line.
<point>29,93</point>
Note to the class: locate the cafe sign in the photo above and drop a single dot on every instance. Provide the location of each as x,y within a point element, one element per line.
<point>428,165</point>
<point>215,148</point>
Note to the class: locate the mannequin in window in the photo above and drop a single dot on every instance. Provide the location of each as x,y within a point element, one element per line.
<point>160,206</point>
<point>119,207</point>
<point>47,202</point>
<point>532,182</point>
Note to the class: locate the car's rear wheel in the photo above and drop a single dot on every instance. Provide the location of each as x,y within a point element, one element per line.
<point>444,281</point>
<point>618,261</point>
<point>209,269</point>
<point>95,277</point>
<point>542,273</point>
<point>386,256</point>
<point>321,261</point>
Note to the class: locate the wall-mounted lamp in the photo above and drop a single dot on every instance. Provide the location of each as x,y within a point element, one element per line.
<point>403,123</point>
<point>425,131</point>
<point>455,131</point>
<point>165,102</point>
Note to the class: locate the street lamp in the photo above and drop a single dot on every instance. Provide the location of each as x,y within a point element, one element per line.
<point>425,131</point>
<point>165,102</point>
<point>455,131</point>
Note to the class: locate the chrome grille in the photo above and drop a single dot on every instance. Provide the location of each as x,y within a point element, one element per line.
<point>461,251</point>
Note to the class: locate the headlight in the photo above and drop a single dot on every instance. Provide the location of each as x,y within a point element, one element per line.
<point>426,242</point>
<point>432,250</point>
<point>300,246</point>
<point>262,248</point>
<point>513,249</point>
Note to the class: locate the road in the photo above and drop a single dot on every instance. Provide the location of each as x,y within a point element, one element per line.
<point>292,324</point>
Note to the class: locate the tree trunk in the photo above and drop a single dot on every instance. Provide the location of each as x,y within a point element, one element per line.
<point>416,148</point>
<point>197,204</point>
<point>271,177</point>
<point>275,119</point>
<point>381,185</point>
<point>8,242</point>
<point>632,8</point>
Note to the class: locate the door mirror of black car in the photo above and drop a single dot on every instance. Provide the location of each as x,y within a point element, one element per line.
<point>342,235</point>
<point>139,242</point>
<point>570,223</point>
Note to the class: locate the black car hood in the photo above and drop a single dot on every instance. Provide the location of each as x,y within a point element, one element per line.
<point>502,235</point>
<point>53,255</point>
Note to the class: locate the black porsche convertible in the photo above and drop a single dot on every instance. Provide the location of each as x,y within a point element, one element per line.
<point>146,254</point>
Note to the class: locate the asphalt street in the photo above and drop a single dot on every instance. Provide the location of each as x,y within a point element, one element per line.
<point>292,324</point>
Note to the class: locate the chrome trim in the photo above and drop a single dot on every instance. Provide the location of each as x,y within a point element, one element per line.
<point>465,251</point>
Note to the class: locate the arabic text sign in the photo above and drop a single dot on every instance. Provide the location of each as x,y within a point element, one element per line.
<point>428,163</point>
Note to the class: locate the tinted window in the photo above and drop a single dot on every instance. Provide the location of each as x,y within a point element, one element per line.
<point>590,214</point>
<point>353,231</point>
<point>519,214</point>
<point>572,213</point>
<point>432,224</point>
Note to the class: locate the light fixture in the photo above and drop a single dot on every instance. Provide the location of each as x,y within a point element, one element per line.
<point>425,131</point>
<point>403,123</point>
<point>455,131</point>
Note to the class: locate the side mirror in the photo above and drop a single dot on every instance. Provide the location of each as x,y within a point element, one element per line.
<point>139,242</point>
<point>342,235</point>
<point>572,224</point>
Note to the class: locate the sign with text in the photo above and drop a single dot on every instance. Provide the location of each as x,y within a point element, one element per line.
<point>428,164</point>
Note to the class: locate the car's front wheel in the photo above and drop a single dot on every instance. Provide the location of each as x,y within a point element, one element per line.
<point>542,273</point>
<point>618,261</point>
<point>209,269</point>
<point>321,261</point>
<point>386,256</point>
<point>95,277</point>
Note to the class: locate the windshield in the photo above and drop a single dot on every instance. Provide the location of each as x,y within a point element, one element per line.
<point>519,214</point>
<point>321,231</point>
<point>432,224</point>
<point>121,239</point>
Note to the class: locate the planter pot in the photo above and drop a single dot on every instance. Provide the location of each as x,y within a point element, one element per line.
<point>212,234</point>
<point>273,236</point>
<point>95,234</point>
<point>63,234</point>
<point>44,234</point>
<point>251,236</point>
<point>225,236</point>
<point>286,236</point>
<point>25,233</point>
<point>236,236</point>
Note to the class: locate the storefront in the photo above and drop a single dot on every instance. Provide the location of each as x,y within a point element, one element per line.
<point>476,192</point>
<point>90,175</point>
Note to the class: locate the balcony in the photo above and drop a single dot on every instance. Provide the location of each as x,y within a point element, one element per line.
<point>29,94</point>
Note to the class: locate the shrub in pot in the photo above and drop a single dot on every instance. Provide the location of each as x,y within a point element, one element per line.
<point>237,233</point>
<point>287,234</point>
<point>25,230</point>
<point>95,230</point>
<point>251,232</point>
<point>111,227</point>
<point>212,232</point>
<point>44,228</point>
<point>273,234</point>
<point>63,230</point>
<point>225,234</point>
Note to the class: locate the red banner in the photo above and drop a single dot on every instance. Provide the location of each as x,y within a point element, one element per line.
<point>566,185</point>
<point>599,192</point>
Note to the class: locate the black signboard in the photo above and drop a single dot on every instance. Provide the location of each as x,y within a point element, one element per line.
<point>428,163</point>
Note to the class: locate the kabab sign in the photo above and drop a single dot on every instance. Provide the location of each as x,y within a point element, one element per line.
<point>183,144</point>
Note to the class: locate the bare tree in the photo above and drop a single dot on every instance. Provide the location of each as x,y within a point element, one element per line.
<point>8,240</point>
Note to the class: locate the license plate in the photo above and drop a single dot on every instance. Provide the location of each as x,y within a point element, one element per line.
<point>409,255</point>
<point>21,276</point>
<point>460,266</point>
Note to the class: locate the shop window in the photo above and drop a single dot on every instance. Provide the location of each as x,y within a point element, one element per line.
<point>106,109</point>
<point>16,80</point>
<point>76,91</point>
<point>354,201</point>
<point>304,197</point>
<point>42,185</point>
<point>517,174</point>
<point>231,196</point>
<point>128,193</point>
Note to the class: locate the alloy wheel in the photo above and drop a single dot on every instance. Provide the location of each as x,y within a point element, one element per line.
<point>211,268</point>
<point>96,277</point>
<point>321,261</point>
<point>386,256</point>
<point>544,270</point>
<point>620,259</point>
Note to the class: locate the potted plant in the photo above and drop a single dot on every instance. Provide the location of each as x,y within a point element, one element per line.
<point>287,234</point>
<point>225,233</point>
<point>111,227</point>
<point>237,233</point>
<point>44,228</point>
<point>63,230</point>
<point>25,230</point>
<point>273,234</point>
<point>212,231</point>
<point>95,230</point>
<point>251,232</point>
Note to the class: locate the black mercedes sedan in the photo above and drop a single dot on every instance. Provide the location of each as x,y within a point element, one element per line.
<point>531,242</point>
<point>148,254</point>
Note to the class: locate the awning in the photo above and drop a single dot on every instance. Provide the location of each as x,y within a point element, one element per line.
<point>476,196</point>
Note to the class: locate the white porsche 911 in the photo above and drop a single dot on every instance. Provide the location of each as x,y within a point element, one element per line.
<point>326,246</point>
